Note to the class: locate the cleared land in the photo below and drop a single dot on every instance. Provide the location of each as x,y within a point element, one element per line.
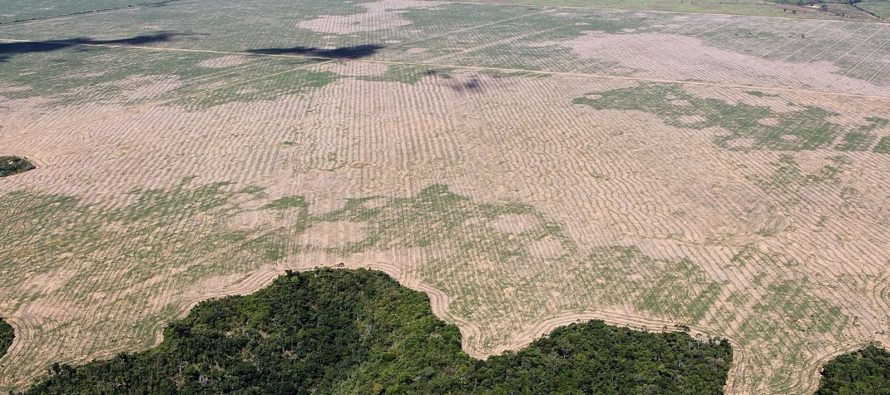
<point>6,336</point>
<point>526,166</point>
<point>337,331</point>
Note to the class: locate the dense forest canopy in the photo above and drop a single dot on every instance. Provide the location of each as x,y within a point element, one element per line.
<point>862,372</point>
<point>6,336</point>
<point>341,331</point>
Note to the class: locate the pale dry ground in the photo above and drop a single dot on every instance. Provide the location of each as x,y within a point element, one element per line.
<point>607,177</point>
<point>383,14</point>
<point>665,56</point>
<point>547,212</point>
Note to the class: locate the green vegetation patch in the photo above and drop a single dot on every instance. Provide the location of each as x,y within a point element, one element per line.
<point>677,289</point>
<point>298,81</point>
<point>883,146</point>
<point>754,127</point>
<point>788,314</point>
<point>338,331</point>
<point>789,177</point>
<point>862,372</point>
<point>408,74</point>
<point>860,138</point>
<point>82,74</point>
<point>10,165</point>
<point>6,336</point>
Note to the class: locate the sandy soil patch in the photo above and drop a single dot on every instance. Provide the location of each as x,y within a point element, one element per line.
<point>14,89</point>
<point>741,143</point>
<point>692,119</point>
<point>769,121</point>
<point>383,14</point>
<point>261,219</point>
<point>546,248</point>
<point>335,234</point>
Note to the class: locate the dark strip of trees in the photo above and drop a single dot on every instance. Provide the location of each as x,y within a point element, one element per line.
<point>343,331</point>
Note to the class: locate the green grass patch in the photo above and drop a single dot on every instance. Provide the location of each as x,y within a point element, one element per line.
<point>408,74</point>
<point>805,129</point>
<point>678,289</point>
<point>287,202</point>
<point>881,8</point>
<point>760,94</point>
<point>861,138</point>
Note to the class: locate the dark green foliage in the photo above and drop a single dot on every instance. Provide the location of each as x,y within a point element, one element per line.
<point>861,138</point>
<point>6,336</point>
<point>288,202</point>
<point>863,372</point>
<point>883,146</point>
<point>10,165</point>
<point>338,331</point>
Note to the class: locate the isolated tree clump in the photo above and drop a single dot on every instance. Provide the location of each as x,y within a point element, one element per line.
<point>10,165</point>
<point>862,372</point>
<point>341,331</point>
<point>6,336</point>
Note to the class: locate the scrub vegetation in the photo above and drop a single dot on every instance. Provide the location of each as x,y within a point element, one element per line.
<point>864,372</point>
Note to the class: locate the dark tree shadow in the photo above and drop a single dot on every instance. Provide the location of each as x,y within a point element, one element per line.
<point>8,50</point>
<point>353,52</point>
<point>471,85</point>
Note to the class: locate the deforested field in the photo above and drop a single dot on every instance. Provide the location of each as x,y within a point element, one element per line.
<point>527,166</point>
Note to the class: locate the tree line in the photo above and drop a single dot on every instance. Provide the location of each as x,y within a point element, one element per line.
<point>343,331</point>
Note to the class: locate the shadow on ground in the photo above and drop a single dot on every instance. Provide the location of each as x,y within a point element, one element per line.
<point>353,52</point>
<point>8,50</point>
<point>472,85</point>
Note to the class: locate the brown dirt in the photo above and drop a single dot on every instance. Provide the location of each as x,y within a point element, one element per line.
<point>606,178</point>
<point>382,14</point>
<point>514,223</point>
<point>336,234</point>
